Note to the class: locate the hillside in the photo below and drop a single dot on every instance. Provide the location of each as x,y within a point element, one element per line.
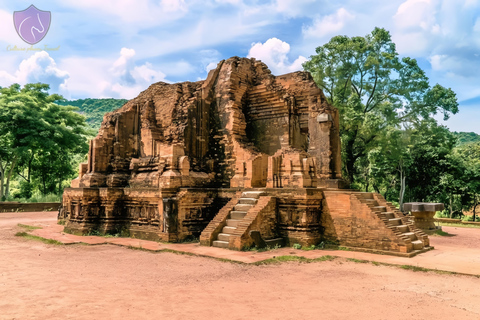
<point>95,109</point>
<point>466,137</point>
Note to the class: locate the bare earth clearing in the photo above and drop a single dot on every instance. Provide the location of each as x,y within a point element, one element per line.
<point>39,281</point>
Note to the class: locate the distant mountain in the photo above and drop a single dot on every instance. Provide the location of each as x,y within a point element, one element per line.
<point>95,109</point>
<point>466,137</point>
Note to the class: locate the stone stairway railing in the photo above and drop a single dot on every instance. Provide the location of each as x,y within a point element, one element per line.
<point>405,220</point>
<point>231,226</point>
<point>411,239</point>
<point>261,217</point>
<point>216,225</point>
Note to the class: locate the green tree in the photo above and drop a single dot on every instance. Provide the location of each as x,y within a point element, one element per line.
<point>469,157</point>
<point>375,92</point>
<point>38,136</point>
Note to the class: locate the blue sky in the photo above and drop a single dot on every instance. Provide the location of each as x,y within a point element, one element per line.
<point>116,49</point>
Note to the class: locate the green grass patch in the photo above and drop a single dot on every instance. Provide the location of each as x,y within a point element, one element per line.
<point>282,259</point>
<point>414,268</point>
<point>443,233</point>
<point>459,225</point>
<point>37,238</point>
<point>26,226</point>
<point>358,260</point>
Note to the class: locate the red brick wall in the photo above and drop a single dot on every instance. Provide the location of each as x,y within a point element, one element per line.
<point>352,223</point>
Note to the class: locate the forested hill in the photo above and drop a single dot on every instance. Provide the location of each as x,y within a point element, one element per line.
<point>95,109</point>
<point>466,137</point>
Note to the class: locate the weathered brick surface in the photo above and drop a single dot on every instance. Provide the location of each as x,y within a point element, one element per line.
<point>242,127</point>
<point>353,223</point>
<point>406,220</point>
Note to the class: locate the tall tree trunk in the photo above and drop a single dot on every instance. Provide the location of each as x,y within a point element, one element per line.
<point>350,160</point>
<point>475,203</point>
<point>9,176</point>
<point>402,189</point>
<point>451,210</point>
<point>2,180</point>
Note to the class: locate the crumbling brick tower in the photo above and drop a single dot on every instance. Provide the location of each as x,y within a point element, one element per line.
<point>238,152</point>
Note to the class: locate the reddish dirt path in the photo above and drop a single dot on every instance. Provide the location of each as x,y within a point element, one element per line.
<point>39,281</point>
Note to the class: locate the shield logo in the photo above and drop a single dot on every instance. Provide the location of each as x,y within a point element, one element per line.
<point>32,24</point>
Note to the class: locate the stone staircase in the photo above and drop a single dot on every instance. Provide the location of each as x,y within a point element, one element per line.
<point>247,200</point>
<point>414,238</point>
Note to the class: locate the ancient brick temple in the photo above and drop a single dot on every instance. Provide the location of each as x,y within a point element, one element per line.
<point>241,157</point>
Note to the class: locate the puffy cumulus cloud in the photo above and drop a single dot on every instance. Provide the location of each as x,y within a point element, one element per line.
<point>129,79</point>
<point>100,78</point>
<point>209,59</point>
<point>328,25</point>
<point>445,32</point>
<point>39,67</point>
<point>423,26</point>
<point>274,53</point>
<point>211,66</point>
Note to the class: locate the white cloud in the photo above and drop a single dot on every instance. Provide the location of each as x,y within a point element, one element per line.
<point>292,8</point>
<point>436,61</point>
<point>228,1</point>
<point>136,13</point>
<point>39,67</point>
<point>8,34</point>
<point>211,66</point>
<point>100,78</point>
<point>274,54</point>
<point>328,25</point>
<point>416,14</point>
<point>130,79</point>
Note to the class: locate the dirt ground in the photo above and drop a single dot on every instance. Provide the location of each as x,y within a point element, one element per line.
<point>39,281</point>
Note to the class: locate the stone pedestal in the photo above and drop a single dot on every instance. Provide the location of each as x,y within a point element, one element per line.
<point>423,213</point>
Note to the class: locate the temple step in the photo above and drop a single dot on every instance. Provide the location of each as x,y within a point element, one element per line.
<point>243,207</point>
<point>247,201</point>
<point>395,221</point>
<point>417,244</point>
<point>223,236</point>
<point>229,230</point>
<point>380,208</point>
<point>220,244</point>
<point>252,194</point>
<point>402,228</point>
<point>388,215</point>
<point>411,235</point>
<point>238,215</point>
<point>232,222</point>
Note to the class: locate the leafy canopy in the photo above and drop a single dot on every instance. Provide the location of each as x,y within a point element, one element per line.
<point>375,92</point>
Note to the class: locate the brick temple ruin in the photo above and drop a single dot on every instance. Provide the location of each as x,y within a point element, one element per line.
<point>241,153</point>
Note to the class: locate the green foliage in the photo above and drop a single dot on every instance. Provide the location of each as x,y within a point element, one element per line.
<point>466,137</point>
<point>94,109</point>
<point>391,143</point>
<point>38,139</point>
